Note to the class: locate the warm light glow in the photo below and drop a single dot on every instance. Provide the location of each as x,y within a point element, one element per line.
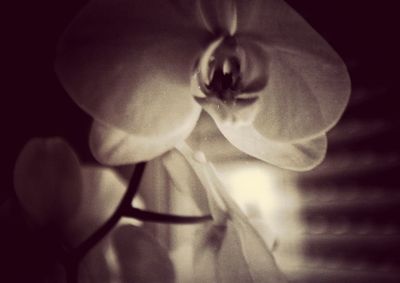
<point>270,200</point>
<point>255,187</point>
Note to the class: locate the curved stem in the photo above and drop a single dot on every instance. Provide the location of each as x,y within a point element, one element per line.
<point>112,221</point>
<point>164,218</point>
<point>71,260</point>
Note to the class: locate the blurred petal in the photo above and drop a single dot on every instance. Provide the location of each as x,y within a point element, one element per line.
<point>253,261</point>
<point>127,254</point>
<point>128,63</point>
<point>300,156</point>
<point>59,193</point>
<point>182,257</point>
<point>207,138</point>
<point>112,146</point>
<point>220,258</point>
<point>99,264</point>
<point>102,191</point>
<point>308,85</point>
<point>141,258</point>
<point>48,182</point>
<point>207,243</point>
<point>185,180</point>
<point>218,16</point>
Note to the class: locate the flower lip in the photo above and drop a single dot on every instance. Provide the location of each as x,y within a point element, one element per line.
<point>220,68</point>
<point>221,74</point>
<point>226,79</point>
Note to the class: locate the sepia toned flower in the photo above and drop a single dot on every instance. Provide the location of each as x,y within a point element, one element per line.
<point>145,72</point>
<point>149,72</point>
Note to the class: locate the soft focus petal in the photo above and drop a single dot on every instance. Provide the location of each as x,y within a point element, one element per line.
<point>218,16</point>
<point>253,261</point>
<point>48,182</point>
<point>207,138</point>
<point>101,193</point>
<point>99,265</point>
<point>300,156</point>
<point>128,63</point>
<point>112,146</point>
<point>127,254</point>
<point>308,85</point>
<point>219,256</point>
<point>185,180</point>
<point>59,193</point>
<point>207,243</point>
<point>141,257</point>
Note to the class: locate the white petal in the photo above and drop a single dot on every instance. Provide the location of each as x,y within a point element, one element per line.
<point>185,180</point>
<point>218,16</point>
<point>127,254</point>
<point>112,146</point>
<point>305,96</point>
<point>300,156</point>
<point>207,243</point>
<point>128,63</point>
<point>308,84</point>
<point>238,237</point>
<point>101,193</point>
<point>141,257</point>
<point>99,264</point>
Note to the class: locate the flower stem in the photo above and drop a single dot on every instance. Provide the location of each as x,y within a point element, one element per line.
<point>72,258</point>
<point>164,218</point>
<point>113,220</point>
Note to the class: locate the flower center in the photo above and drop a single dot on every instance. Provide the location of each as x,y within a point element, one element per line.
<point>228,80</point>
<point>220,70</point>
<point>225,80</point>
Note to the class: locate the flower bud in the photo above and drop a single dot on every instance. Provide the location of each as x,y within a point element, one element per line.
<point>47,181</point>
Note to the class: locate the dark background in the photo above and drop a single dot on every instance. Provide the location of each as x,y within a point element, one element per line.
<point>35,104</point>
<point>364,33</point>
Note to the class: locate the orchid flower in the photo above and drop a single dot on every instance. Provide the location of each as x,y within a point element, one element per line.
<point>148,71</point>
<point>68,202</point>
<point>145,72</point>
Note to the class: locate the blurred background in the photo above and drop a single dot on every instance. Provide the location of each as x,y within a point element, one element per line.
<point>346,210</point>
